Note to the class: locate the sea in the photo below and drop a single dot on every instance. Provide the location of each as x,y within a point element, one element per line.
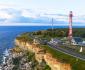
<point>9,33</point>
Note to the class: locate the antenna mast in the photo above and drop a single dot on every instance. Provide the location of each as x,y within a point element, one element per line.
<point>52,25</point>
<point>52,31</point>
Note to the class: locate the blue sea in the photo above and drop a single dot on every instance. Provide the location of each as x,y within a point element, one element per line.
<point>9,33</point>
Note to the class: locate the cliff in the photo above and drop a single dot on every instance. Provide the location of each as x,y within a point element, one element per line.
<point>41,54</point>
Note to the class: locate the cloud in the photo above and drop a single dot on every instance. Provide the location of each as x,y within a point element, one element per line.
<point>22,19</point>
<point>21,16</point>
<point>28,13</point>
<point>5,5</point>
<point>11,15</point>
<point>5,15</point>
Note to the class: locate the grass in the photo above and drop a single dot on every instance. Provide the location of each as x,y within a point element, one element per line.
<point>76,64</point>
<point>25,38</point>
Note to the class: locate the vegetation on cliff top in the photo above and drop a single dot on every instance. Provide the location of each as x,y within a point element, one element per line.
<point>24,38</point>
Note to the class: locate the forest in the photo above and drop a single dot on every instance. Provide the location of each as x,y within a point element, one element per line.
<point>77,32</point>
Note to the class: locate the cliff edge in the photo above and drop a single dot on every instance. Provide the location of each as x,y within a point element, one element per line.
<point>41,54</point>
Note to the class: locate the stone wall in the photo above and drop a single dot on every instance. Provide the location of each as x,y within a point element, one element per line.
<point>39,55</point>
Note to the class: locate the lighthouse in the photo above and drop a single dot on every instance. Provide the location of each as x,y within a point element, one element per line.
<point>70,26</point>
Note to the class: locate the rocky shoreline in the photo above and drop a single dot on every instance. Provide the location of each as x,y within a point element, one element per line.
<point>19,59</point>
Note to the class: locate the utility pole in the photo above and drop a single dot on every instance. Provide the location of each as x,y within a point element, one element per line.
<point>52,30</point>
<point>52,25</point>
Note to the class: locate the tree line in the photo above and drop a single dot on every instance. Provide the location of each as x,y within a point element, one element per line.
<point>63,32</point>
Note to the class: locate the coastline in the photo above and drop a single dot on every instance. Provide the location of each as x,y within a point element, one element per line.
<point>40,54</point>
<point>23,44</point>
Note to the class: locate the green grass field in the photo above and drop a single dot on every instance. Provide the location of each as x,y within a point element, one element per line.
<point>76,64</point>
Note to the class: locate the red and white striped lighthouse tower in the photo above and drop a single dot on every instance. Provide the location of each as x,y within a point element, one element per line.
<point>70,25</point>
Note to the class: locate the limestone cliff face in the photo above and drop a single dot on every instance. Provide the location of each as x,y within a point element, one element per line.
<point>39,55</point>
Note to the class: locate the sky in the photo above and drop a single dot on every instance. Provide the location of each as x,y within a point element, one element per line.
<point>41,10</point>
<point>58,6</point>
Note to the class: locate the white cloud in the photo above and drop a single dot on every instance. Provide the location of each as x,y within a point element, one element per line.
<point>5,15</point>
<point>28,13</point>
<point>5,5</point>
<point>12,15</point>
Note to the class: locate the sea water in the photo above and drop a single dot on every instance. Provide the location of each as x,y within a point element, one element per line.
<point>9,33</point>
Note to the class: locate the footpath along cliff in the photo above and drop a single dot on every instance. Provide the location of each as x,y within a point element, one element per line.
<point>41,54</point>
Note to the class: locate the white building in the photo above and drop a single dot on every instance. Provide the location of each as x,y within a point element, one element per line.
<point>55,41</point>
<point>77,41</point>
